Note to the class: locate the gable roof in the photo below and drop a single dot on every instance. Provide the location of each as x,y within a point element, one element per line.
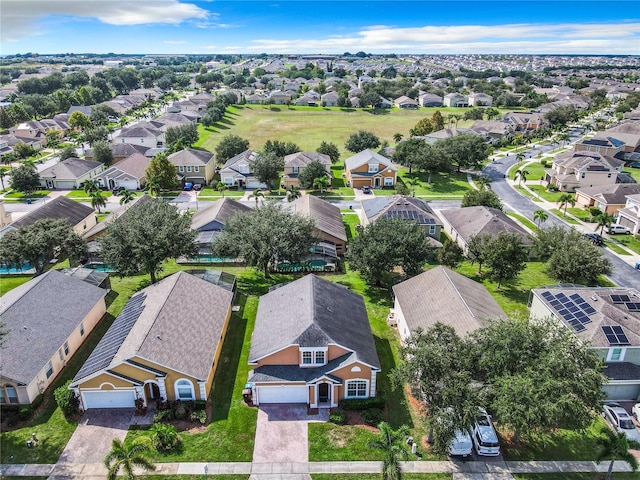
<point>611,194</point>
<point>71,168</point>
<point>191,156</point>
<point>312,312</point>
<point>246,156</point>
<point>39,316</point>
<point>584,160</point>
<point>400,206</point>
<point>442,295</point>
<point>367,156</point>
<point>470,221</point>
<point>134,165</point>
<point>218,211</point>
<point>302,159</point>
<point>326,215</point>
<point>138,131</point>
<point>59,207</point>
<point>177,322</point>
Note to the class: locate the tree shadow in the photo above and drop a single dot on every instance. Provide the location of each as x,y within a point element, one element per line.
<point>110,298</point>
<point>398,409</point>
<point>226,121</point>
<point>379,111</point>
<point>348,110</point>
<point>275,109</point>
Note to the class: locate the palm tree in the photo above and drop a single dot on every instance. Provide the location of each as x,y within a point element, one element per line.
<point>126,196</point>
<point>565,200</point>
<point>615,446</point>
<point>484,182</point>
<point>519,156</point>
<point>90,186</point>
<point>97,200</point>
<point>293,193</point>
<point>153,187</point>
<point>392,445</point>
<point>221,187</point>
<point>321,183</point>
<point>564,137</point>
<point>397,137</point>
<point>540,216</point>
<point>257,195</point>
<point>456,117</point>
<point>127,458</point>
<point>413,182</point>
<point>603,220</point>
<point>521,175</point>
<point>3,173</point>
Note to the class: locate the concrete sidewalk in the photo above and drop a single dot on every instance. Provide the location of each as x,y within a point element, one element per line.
<point>479,470</point>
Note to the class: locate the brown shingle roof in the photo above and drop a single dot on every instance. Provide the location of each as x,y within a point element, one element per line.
<point>326,215</point>
<point>470,221</point>
<point>59,207</point>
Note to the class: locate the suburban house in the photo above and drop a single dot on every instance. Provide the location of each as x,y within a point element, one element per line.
<point>80,217</point>
<point>143,136</point>
<point>442,295</point>
<point>101,227</point>
<point>279,98</point>
<point>404,207</point>
<point>370,169</point>
<point>5,217</point>
<point>70,173</point>
<point>312,344</point>
<point>164,344</point>
<point>237,171</point>
<point>455,100</point>
<point>209,221</point>
<point>296,162</point>
<point>329,226</point>
<point>629,216</point>
<point>195,166</point>
<point>430,100</point>
<point>330,99</point>
<point>406,103</point>
<point>575,170</point>
<point>524,121</point>
<point>120,151</point>
<point>309,99</point>
<point>463,223</point>
<point>128,173</point>
<point>608,198</point>
<point>47,319</point>
<point>480,100</point>
<point>608,320</point>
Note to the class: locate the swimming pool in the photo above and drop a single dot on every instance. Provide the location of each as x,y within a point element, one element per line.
<point>13,270</point>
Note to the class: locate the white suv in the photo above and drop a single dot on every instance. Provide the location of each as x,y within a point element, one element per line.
<point>485,439</point>
<point>615,229</point>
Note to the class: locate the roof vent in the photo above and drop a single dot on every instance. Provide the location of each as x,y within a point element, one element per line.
<point>158,337</point>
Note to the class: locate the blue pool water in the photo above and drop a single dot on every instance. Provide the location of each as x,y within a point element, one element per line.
<point>25,268</point>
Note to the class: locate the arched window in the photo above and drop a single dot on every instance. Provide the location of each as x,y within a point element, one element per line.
<point>8,394</point>
<point>184,390</point>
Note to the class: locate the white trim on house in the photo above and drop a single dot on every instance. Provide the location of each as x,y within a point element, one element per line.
<point>358,380</point>
<point>176,390</point>
<point>612,356</point>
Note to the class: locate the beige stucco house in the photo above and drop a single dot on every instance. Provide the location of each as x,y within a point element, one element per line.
<point>370,169</point>
<point>574,170</point>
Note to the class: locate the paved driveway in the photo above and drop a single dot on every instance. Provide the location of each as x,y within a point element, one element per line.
<point>282,433</point>
<point>92,439</point>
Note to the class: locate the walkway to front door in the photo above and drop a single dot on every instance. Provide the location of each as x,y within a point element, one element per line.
<point>282,433</point>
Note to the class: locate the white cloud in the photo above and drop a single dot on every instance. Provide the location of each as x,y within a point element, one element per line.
<point>175,42</point>
<point>618,38</point>
<point>20,17</point>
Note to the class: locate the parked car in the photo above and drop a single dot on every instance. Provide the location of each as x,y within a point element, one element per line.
<point>635,411</point>
<point>461,445</point>
<point>485,438</point>
<point>197,186</point>
<point>366,190</point>
<point>615,229</point>
<point>595,238</point>
<point>621,421</point>
<point>117,190</point>
<point>188,186</point>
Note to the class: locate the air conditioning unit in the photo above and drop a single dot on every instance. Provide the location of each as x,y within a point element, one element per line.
<point>391,318</point>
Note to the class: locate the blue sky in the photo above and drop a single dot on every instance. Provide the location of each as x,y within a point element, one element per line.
<point>284,26</point>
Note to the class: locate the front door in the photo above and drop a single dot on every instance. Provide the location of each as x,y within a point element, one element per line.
<point>49,183</point>
<point>377,180</point>
<point>323,393</point>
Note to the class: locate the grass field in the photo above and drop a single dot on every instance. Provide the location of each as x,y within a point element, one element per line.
<point>524,220</point>
<point>629,241</point>
<point>634,172</point>
<point>545,194</point>
<point>535,169</point>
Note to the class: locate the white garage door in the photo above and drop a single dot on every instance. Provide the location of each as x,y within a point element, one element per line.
<point>131,185</point>
<point>109,399</point>
<point>255,184</point>
<point>622,392</point>
<point>283,394</point>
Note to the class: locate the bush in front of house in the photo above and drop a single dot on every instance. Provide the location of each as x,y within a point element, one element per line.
<point>199,416</point>
<point>164,437</point>
<point>163,416</point>
<point>66,399</point>
<point>363,403</point>
<point>338,417</point>
<point>373,416</point>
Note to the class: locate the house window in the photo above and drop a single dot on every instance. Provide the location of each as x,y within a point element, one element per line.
<point>181,169</point>
<point>184,390</point>
<point>196,168</point>
<point>8,394</point>
<point>357,388</point>
<point>307,358</point>
<point>142,140</point>
<point>81,330</point>
<point>296,169</point>
<point>388,181</point>
<point>49,369</point>
<point>60,355</point>
<point>373,167</point>
<point>188,168</point>
<point>228,180</point>
<point>320,358</point>
<point>608,175</point>
<point>66,348</point>
<point>616,354</point>
<point>432,229</point>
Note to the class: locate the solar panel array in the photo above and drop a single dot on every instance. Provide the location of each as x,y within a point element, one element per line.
<point>411,215</point>
<point>108,347</point>
<point>615,335</point>
<point>620,298</point>
<point>628,302</point>
<point>573,309</point>
<point>633,306</point>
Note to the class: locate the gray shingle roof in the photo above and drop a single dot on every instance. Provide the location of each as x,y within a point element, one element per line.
<point>59,207</point>
<point>219,211</point>
<point>39,316</point>
<point>177,322</point>
<point>409,208</point>
<point>367,156</point>
<point>191,156</point>
<point>134,165</point>
<point>312,312</point>
<point>442,295</point>
<point>612,194</point>
<point>293,373</point>
<point>302,159</point>
<point>470,221</point>
<point>622,371</point>
<point>326,215</point>
<point>71,168</point>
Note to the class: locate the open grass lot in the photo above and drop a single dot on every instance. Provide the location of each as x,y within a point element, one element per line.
<point>443,185</point>
<point>524,220</point>
<point>574,476</point>
<point>535,169</point>
<point>309,126</point>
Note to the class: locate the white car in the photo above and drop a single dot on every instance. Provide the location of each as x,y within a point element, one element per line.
<point>461,445</point>
<point>621,421</point>
<point>485,438</point>
<point>615,229</point>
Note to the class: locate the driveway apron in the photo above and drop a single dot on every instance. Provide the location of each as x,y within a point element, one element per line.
<point>282,433</point>
<point>92,439</point>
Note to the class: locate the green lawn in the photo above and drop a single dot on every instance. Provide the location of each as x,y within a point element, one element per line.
<point>443,185</point>
<point>526,193</point>
<point>81,195</point>
<point>209,192</point>
<point>545,194</point>
<point>615,247</point>
<point>580,213</point>
<point>524,220</point>
<point>629,241</point>
<point>351,221</point>
<point>15,195</point>
<point>634,172</point>
<point>535,169</point>
<point>9,282</point>
<point>566,218</point>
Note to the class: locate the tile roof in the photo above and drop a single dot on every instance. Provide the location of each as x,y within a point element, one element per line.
<point>442,295</point>
<point>326,215</point>
<point>177,322</point>
<point>470,221</point>
<point>313,312</point>
<point>59,207</point>
<point>39,316</point>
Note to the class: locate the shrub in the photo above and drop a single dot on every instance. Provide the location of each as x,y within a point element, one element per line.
<point>201,405</point>
<point>163,416</point>
<point>363,403</point>
<point>66,399</point>
<point>402,189</point>
<point>595,211</point>
<point>199,416</point>
<point>373,416</point>
<point>164,437</point>
<point>25,412</point>
<point>37,401</point>
<point>338,417</point>
<point>553,188</point>
<point>180,411</point>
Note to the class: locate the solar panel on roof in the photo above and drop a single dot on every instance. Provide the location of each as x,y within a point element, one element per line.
<point>547,296</point>
<point>633,306</point>
<point>615,335</point>
<point>576,297</point>
<point>563,312</point>
<point>574,309</point>
<point>555,303</point>
<point>620,298</point>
